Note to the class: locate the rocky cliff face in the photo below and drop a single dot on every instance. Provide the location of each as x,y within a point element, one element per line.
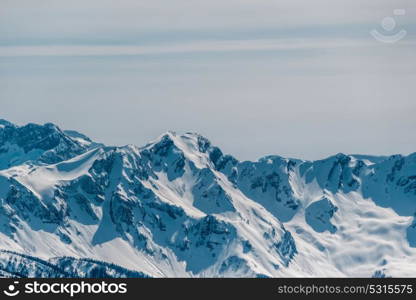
<point>37,143</point>
<point>180,207</point>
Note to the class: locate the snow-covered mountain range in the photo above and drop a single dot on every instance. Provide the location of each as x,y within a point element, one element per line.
<point>179,207</point>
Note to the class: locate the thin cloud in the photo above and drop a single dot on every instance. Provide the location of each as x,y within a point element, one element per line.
<point>190,47</point>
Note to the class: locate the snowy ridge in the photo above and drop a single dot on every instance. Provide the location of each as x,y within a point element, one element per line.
<point>13,264</point>
<point>36,143</point>
<point>179,207</point>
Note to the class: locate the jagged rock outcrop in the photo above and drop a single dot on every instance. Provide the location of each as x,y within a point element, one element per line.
<point>180,207</point>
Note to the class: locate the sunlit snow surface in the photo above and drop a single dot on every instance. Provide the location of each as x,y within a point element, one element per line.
<point>179,207</point>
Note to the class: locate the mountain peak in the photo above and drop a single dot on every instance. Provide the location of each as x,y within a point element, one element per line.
<point>180,207</point>
<point>4,122</point>
<point>52,126</point>
<point>38,143</point>
<point>186,141</point>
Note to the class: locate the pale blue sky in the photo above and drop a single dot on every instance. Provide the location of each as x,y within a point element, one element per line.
<point>295,78</point>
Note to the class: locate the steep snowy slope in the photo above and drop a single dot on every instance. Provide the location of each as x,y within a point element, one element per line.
<point>180,207</point>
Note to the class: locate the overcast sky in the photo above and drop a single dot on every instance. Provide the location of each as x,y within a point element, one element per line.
<point>296,78</point>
